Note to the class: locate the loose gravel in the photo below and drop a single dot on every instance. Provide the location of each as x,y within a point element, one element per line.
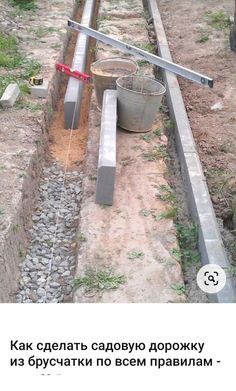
<point>47,271</point>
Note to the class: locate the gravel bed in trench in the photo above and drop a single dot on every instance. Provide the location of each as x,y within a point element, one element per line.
<point>47,271</point>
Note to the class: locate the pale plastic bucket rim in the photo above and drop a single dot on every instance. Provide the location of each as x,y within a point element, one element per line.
<point>142,93</point>
<point>115,58</point>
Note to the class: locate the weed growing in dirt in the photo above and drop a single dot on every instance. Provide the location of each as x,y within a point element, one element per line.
<point>146,137</point>
<point>166,194</point>
<point>218,20</point>
<point>178,288</point>
<point>142,63</point>
<point>188,237</point>
<point>145,212</point>
<point>103,206</point>
<point>148,47</point>
<point>176,254</point>
<point>158,132</point>
<point>24,88</point>
<point>135,255</point>
<point>28,106</point>
<point>169,125</point>
<point>22,175</point>
<point>157,153</point>
<point>103,18</point>
<point>49,243</point>
<point>25,5</point>
<point>82,237</point>
<point>21,253</point>
<point>126,161</point>
<point>98,280</point>
<point>2,211</point>
<point>203,39</point>
<point>225,148</point>
<point>170,213</point>
<point>15,227</point>
<point>43,31</point>
<point>92,177</point>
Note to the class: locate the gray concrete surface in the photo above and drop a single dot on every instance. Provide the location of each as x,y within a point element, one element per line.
<point>10,95</point>
<point>40,91</point>
<point>107,150</point>
<point>210,243</point>
<point>74,92</point>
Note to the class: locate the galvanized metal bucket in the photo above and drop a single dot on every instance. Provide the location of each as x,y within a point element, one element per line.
<point>139,99</point>
<point>106,72</point>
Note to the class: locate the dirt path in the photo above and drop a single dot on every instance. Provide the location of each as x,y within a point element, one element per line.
<point>128,237</point>
<point>198,34</point>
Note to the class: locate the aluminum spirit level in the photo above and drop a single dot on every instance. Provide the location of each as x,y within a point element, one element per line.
<point>151,58</point>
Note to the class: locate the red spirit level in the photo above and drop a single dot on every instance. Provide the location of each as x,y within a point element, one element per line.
<point>73,73</point>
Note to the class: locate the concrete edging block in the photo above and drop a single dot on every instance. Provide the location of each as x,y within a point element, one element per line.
<point>107,150</point>
<point>74,92</point>
<point>40,91</point>
<point>210,243</point>
<point>10,95</point>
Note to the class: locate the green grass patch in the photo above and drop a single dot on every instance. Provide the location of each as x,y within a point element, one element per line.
<point>98,280</point>
<point>8,43</point>
<point>178,288</point>
<point>28,105</point>
<point>25,5</point>
<point>218,20</point>
<point>188,239</point>
<point>8,51</point>
<point>29,67</point>
<point>10,58</point>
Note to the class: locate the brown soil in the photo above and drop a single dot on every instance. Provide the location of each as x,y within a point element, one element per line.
<point>60,137</point>
<point>197,44</point>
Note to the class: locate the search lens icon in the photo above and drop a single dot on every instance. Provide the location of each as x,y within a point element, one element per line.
<point>211,278</point>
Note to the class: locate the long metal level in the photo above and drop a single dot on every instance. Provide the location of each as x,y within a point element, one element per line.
<point>160,62</point>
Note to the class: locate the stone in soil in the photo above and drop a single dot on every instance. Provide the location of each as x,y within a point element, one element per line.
<point>48,268</point>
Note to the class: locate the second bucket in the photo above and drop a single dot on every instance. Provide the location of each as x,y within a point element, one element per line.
<point>106,72</point>
<point>139,99</point>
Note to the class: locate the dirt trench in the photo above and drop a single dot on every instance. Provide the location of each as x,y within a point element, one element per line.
<point>41,145</point>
